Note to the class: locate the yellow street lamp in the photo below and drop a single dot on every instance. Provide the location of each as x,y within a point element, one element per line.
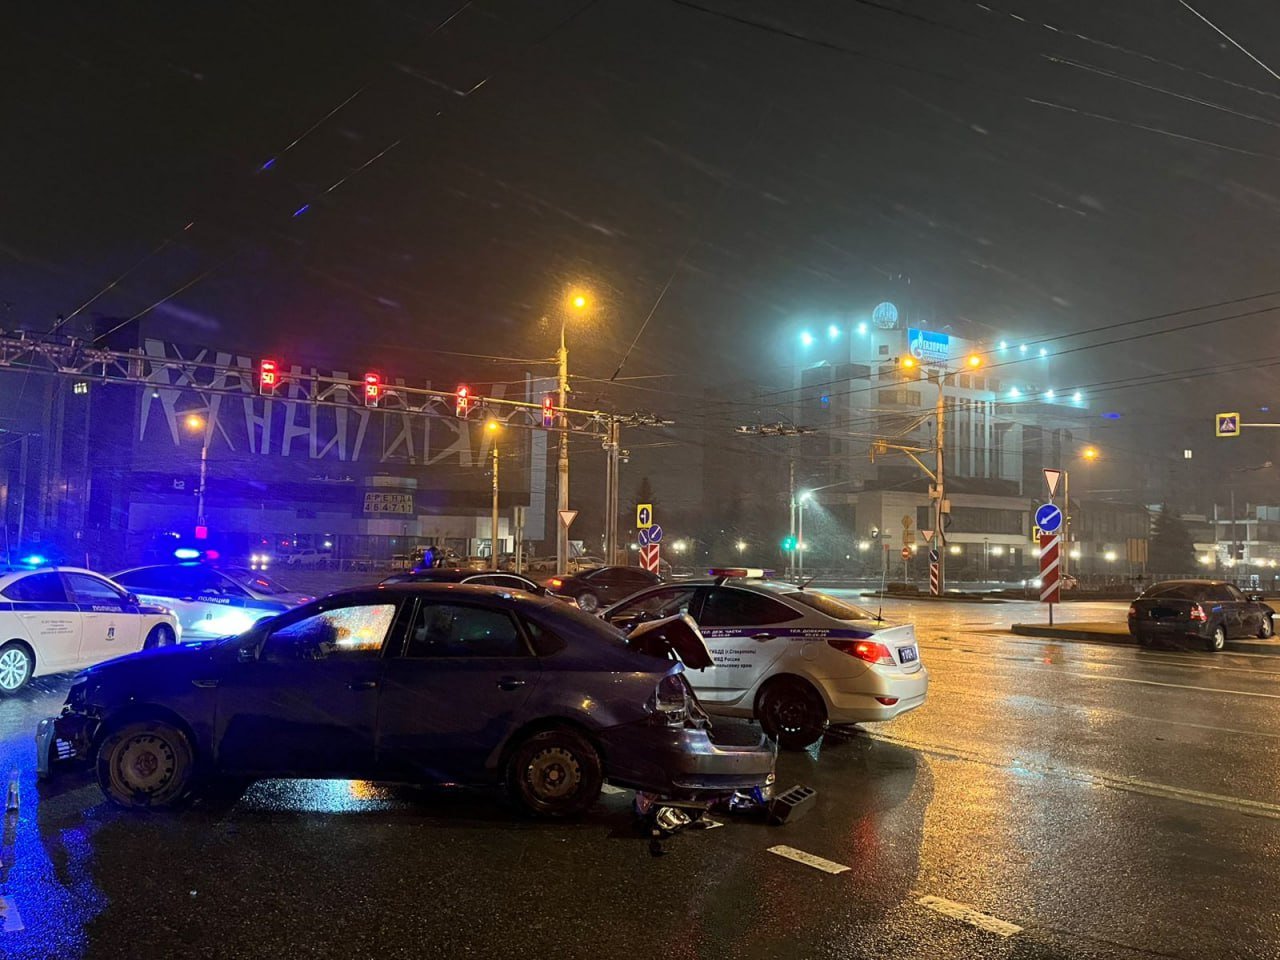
<point>492,427</point>
<point>974,360</point>
<point>1089,453</point>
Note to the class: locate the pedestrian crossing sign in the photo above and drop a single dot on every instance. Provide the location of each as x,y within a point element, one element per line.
<point>1227,424</point>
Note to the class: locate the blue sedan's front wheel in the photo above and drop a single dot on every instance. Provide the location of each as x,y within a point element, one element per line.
<point>555,773</point>
<point>145,763</point>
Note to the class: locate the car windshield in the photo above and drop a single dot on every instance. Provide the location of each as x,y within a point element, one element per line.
<point>831,606</point>
<point>257,582</point>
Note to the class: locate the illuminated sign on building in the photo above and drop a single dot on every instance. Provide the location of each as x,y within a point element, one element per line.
<point>928,346</point>
<point>375,502</point>
<point>885,316</point>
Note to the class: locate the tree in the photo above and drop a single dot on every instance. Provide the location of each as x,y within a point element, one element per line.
<point>1172,550</point>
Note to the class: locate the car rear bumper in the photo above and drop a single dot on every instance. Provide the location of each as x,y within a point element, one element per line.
<point>1196,629</point>
<point>683,762</point>
<point>855,700</point>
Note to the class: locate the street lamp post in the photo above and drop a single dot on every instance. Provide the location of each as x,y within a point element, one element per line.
<point>197,422</point>
<point>577,302</point>
<point>492,427</point>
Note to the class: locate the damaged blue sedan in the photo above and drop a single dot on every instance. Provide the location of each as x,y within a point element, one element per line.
<point>411,682</point>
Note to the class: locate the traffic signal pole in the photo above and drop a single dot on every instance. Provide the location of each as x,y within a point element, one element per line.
<point>939,525</point>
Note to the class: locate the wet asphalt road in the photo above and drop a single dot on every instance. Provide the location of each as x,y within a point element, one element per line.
<point>1110,802</point>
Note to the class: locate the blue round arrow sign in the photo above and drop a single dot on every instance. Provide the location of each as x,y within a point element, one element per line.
<point>1048,517</point>
<point>655,534</point>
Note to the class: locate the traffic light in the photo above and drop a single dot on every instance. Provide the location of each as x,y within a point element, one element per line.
<point>268,377</point>
<point>789,543</point>
<point>464,400</point>
<point>548,411</point>
<point>372,389</point>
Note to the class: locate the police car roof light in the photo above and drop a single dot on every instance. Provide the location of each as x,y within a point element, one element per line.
<point>186,553</point>
<point>34,560</point>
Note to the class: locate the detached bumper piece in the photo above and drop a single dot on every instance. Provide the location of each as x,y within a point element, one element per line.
<point>58,741</point>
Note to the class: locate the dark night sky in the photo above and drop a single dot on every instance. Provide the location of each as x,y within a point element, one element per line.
<point>616,141</point>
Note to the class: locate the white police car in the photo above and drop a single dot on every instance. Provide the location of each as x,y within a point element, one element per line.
<point>795,659</point>
<point>208,603</point>
<point>55,619</point>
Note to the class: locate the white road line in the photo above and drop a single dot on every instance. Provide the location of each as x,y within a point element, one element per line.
<point>808,859</point>
<point>10,920</point>
<point>1097,778</point>
<point>1150,683</point>
<point>1190,662</point>
<point>967,914</point>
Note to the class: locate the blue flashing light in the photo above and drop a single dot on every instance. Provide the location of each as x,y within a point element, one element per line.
<point>833,331</point>
<point>186,553</point>
<point>302,209</point>
<point>806,339</point>
<point>1111,415</point>
<point>268,165</point>
<point>34,560</point>
<point>826,399</point>
<point>862,328</point>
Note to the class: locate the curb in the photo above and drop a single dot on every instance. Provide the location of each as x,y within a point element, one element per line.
<point>1121,636</point>
<point>928,598</point>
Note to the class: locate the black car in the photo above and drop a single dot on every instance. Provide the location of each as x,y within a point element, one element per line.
<point>1206,611</point>
<point>409,682</point>
<point>601,587</point>
<point>478,578</point>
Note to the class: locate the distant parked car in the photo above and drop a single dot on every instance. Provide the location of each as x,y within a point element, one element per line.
<point>583,563</point>
<point>595,589</point>
<point>308,557</point>
<point>1210,612</point>
<point>541,564</point>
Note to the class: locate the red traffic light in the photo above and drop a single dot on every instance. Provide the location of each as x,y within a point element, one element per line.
<point>372,389</point>
<point>268,376</point>
<point>548,411</point>
<point>464,400</point>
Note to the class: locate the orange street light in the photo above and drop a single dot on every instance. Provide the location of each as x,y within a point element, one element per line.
<point>194,422</point>
<point>1090,453</point>
<point>908,363</point>
<point>974,360</point>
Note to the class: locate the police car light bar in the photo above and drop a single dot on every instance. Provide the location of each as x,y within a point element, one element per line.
<point>746,573</point>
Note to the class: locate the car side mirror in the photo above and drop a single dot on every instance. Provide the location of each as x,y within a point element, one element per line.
<point>132,598</point>
<point>1255,597</point>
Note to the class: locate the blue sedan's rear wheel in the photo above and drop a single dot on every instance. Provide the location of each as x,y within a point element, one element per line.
<point>555,773</point>
<point>146,763</point>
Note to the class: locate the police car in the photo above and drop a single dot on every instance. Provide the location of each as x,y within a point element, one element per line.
<point>795,659</point>
<point>56,619</point>
<point>208,603</point>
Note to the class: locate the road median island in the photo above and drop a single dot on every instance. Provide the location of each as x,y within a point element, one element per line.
<point>1102,631</point>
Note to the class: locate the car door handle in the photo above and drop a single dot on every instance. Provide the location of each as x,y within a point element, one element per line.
<point>762,636</point>
<point>205,684</point>
<point>362,685</point>
<point>510,683</point>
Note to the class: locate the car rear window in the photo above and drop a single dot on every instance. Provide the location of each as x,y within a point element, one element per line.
<point>831,606</point>
<point>1174,591</point>
<point>552,617</point>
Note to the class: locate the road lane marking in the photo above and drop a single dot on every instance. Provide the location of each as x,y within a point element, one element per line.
<point>808,859</point>
<point>1097,778</point>
<point>1151,683</point>
<point>1165,659</point>
<point>10,919</point>
<point>967,914</point>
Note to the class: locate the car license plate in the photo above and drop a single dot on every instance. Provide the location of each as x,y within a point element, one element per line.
<point>907,654</point>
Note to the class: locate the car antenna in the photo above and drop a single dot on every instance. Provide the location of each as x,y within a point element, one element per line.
<point>809,581</point>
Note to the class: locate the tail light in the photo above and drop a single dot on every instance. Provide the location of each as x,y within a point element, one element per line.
<point>1197,612</point>
<point>868,650</point>
<point>669,705</point>
<point>555,583</point>
<point>1133,609</point>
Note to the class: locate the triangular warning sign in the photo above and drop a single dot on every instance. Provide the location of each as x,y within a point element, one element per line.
<point>567,517</point>
<point>927,534</point>
<point>1051,477</point>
